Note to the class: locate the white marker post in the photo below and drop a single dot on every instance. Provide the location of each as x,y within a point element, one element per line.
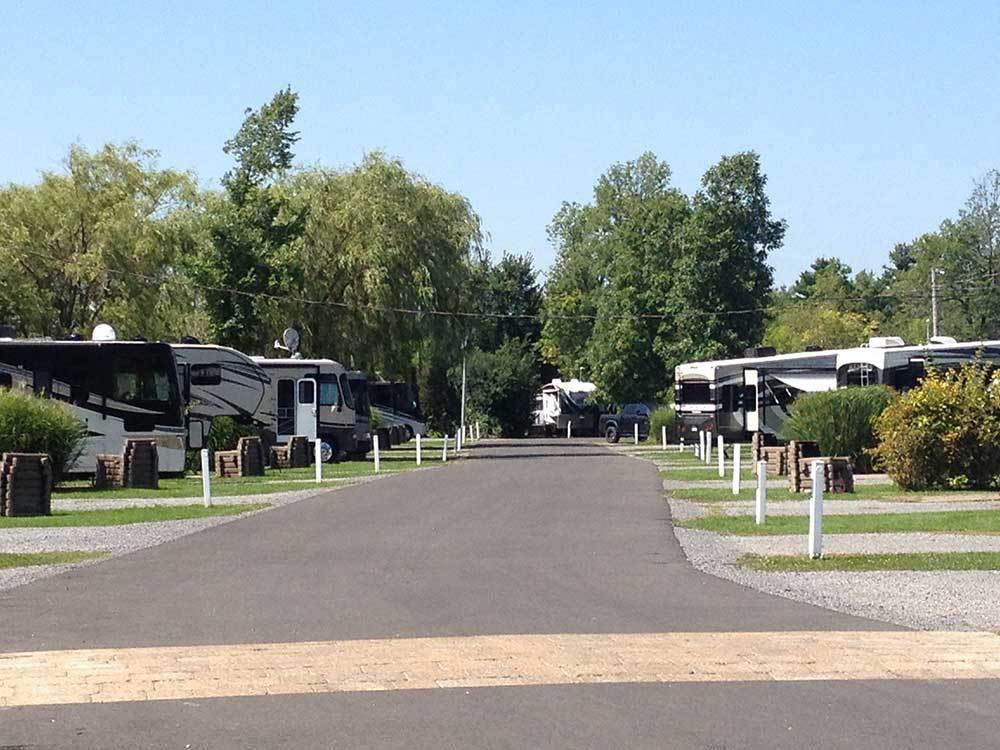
<point>206,479</point>
<point>663,436</point>
<point>378,463</point>
<point>477,432</point>
<point>444,449</point>
<point>816,511</point>
<point>318,458</point>
<point>458,440</point>
<point>680,445</point>
<point>761,492</point>
<point>569,429</point>
<point>635,432</point>
<point>708,448</point>
<point>736,468</point>
<point>722,456</point>
<point>418,449</point>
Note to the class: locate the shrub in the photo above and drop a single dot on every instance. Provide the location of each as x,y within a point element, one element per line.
<point>944,433</point>
<point>225,433</point>
<point>31,424</point>
<point>663,416</point>
<point>841,421</point>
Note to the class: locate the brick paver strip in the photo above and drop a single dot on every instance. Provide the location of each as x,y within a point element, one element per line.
<point>188,672</point>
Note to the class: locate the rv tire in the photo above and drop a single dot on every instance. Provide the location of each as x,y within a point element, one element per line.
<point>611,433</point>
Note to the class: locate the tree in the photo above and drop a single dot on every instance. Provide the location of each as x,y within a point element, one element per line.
<point>245,268</point>
<point>502,386</point>
<point>723,265</point>
<point>102,241</point>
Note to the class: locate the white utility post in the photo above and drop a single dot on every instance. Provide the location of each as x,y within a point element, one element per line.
<point>318,459</point>
<point>477,432</point>
<point>761,492</point>
<point>444,449</point>
<point>418,449</point>
<point>708,448</point>
<point>378,463</point>
<point>816,511</point>
<point>680,445</point>
<point>701,443</point>
<point>722,456</point>
<point>569,429</point>
<point>663,435</point>
<point>458,440</point>
<point>461,418</point>
<point>934,306</point>
<point>635,432</point>
<point>736,468</point>
<point>206,479</point>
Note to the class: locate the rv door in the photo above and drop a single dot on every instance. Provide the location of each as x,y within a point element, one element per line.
<point>305,408</point>
<point>751,414</point>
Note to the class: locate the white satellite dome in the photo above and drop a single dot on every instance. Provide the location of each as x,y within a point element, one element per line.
<point>103,332</point>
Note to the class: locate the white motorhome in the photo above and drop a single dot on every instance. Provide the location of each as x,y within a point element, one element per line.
<point>562,402</point>
<point>737,397</point>
<point>889,361</point>
<point>217,381</point>
<point>120,389</point>
<point>312,397</point>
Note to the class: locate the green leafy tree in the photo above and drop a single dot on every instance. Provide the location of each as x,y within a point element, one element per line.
<point>253,227</point>
<point>102,241</point>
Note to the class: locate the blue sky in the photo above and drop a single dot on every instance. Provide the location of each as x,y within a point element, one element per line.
<point>872,119</point>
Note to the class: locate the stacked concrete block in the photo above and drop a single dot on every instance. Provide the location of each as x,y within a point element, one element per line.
<point>25,484</point>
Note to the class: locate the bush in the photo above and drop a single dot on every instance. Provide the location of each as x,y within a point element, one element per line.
<point>663,416</point>
<point>841,421</point>
<point>31,424</point>
<point>944,433</point>
<point>225,433</point>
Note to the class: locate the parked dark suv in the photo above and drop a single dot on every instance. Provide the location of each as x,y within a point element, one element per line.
<point>613,426</point>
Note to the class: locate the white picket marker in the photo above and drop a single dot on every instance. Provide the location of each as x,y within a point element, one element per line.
<point>663,436</point>
<point>206,479</point>
<point>569,429</point>
<point>635,432</point>
<point>761,492</point>
<point>418,449</point>
<point>444,449</point>
<point>816,511</point>
<point>378,463</point>
<point>477,432</point>
<point>736,468</point>
<point>708,447</point>
<point>458,440</point>
<point>680,445</point>
<point>318,459</point>
<point>722,457</point>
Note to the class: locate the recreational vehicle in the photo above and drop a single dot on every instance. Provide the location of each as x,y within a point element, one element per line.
<point>398,403</point>
<point>562,402</point>
<point>737,397</point>
<point>217,381</point>
<point>120,389</point>
<point>887,360</point>
<point>311,397</point>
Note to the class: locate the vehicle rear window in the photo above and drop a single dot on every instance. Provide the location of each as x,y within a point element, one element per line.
<point>696,393</point>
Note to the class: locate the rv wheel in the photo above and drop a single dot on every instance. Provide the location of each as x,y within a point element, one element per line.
<point>611,434</point>
<point>327,451</point>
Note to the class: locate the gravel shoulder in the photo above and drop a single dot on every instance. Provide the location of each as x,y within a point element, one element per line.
<point>939,600</point>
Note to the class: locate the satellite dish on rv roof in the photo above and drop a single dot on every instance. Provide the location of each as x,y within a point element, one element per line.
<point>103,332</point>
<point>290,337</point>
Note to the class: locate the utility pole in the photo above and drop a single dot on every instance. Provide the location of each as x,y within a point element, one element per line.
<point>934,309</point>
<point>461,423</point>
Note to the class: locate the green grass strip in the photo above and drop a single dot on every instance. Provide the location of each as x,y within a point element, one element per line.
<point>898,561</point>
<point>956,521</point>
<point>27,559</point>
<point>122,516</point>
<point>887,492</point>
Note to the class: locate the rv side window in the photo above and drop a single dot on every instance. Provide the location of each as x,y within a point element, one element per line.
<point>329,394</point>
<point>346,390</point>
<point>206,375</point>
<point>307,392</point>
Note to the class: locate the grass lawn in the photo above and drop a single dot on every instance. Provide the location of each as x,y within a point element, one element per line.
<point>777,489</point>
<point>26,559</point>
<point>120,516</point>
<point>899,561</point>
<point>697,473</point>
<point>956,521</point>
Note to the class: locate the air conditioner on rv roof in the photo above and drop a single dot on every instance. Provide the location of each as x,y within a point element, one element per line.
<point>943,340</point>
<point>885,342</point>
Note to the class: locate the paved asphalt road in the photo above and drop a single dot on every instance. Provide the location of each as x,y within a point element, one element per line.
<point>526,537</point>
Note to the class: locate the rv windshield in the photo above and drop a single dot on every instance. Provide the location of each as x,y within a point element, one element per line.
<point>359,389</point>
<point>696,393</point>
